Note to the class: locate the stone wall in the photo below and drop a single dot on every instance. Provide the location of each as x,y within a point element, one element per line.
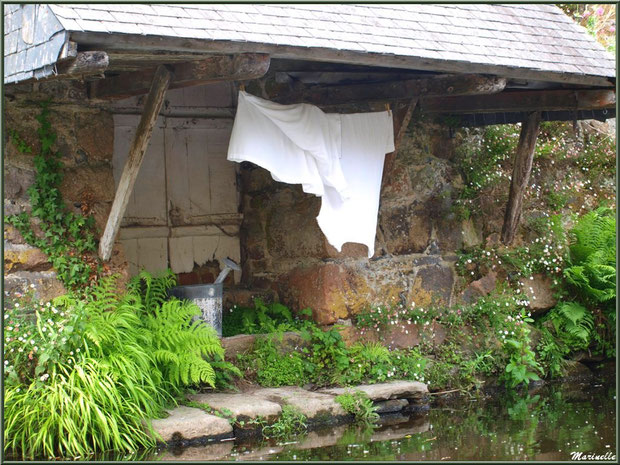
<point>85,140</point>
<point>283,248</point>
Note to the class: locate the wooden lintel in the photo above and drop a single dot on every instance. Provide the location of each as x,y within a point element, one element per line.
<point>465,84</point>
<point>192,73</point>
<point>522,166</point>
<point>531,100</point>
<point>141,140</point>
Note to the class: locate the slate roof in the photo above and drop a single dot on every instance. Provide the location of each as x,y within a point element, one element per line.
<point>521,36</point>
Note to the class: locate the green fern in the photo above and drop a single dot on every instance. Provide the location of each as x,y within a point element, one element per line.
<point>573,324</point>
<point>592,258</point>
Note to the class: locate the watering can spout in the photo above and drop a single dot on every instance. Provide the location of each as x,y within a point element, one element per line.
<point>228,265</point>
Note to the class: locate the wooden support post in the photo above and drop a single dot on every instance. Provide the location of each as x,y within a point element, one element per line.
<point>520,176</point>
<point>141,140</point>
<point>401,123</point>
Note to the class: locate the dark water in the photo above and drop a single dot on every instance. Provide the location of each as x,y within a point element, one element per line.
<point>547,424</point>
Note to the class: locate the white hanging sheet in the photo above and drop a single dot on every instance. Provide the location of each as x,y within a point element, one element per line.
<point>337,157</point>
<point>366,138</point>
<point>297,144</point>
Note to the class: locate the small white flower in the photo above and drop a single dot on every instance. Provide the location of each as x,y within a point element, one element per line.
<point>16,305</point>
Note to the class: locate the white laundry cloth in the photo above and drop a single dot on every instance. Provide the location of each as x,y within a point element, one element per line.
<point>366,138</point>
<point>337,157</point>
<point>298,144</point>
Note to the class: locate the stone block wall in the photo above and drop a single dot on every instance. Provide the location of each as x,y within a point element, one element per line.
<point>85,138</point>
<point>284,250</point>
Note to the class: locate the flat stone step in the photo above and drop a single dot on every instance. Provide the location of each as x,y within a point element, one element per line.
<point>186,423</point>
<point>311,404</point>
<point>241,405</point>
<point>386,391</point>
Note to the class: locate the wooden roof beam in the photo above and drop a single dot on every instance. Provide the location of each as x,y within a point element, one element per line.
<point>192,73</point>
<point>540,100</point>
<point>463,84</point>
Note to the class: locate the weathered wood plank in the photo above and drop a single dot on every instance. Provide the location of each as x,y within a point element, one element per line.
<point>193,73</point>
<point>134,160</point>
<point>523,159</point>
<point>471,84</point>
<point>543,100</point>
<point>152,44</point>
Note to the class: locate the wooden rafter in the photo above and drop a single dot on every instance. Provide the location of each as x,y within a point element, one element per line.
<point>193,73</point>
<point>140,143</point>
<point>543,100</point>
<point>466,84</point>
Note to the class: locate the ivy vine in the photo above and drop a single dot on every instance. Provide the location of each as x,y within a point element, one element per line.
<point>67,238</point>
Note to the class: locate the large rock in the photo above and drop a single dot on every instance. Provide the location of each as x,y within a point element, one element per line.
<point>406,336</point>
<point>331,291</point>
<point>480,288</point>
<point>46,284</point>
<point>22,257</point>
<point>239,344</point>
<point>186,423</point>
<point>88,184</point>
<point>386,391</point>
<point>432,285</point>
<point>574,370</point>
<point>241,405</point>
<point>406,229</point>
<point>391,406</point>
<point>539,292</point>
<point>315,405</point>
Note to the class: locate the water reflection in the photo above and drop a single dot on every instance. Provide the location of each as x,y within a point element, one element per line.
<point>546,424</point>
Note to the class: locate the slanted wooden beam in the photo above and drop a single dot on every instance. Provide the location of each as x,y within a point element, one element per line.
<point>464,84</point>
<point>154,101</point>
<point>531,100</point>
<point>193,73</point>
<point>523,159</point>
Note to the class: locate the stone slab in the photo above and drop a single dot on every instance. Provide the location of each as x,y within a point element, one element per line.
<point>386,391</point>
<point>391,406</point>
<point>191,423</point>
<point>241,405</point>
<point>312,404</point>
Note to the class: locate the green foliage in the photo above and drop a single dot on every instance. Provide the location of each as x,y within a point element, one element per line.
<point>572,323</point>
<point>522,366</point>
<point>327,353</point>
<point>66,237</point>
<point>291,423</point>
<point>358,403</point>
<point>180,342</point>
<point>262,318</point>
<point>274,368</point>
<point>82,374</point>
<point>592,259</point>
<point>551,352</point>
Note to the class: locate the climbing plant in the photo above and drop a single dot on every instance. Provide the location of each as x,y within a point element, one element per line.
<point>67,238</point>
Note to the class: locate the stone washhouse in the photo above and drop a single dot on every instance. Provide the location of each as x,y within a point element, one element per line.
<point>114,71</point>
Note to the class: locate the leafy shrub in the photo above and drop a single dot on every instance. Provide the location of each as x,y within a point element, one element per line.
<point>84,374</point>
<point>290,423</point>
<point>592,258</point>
<point>360,405</point>
<point>572,323</point>
<point>275,369</point>
<point>262,318</point>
